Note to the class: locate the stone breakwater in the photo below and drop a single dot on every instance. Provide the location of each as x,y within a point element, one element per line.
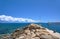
<point>32,31</point>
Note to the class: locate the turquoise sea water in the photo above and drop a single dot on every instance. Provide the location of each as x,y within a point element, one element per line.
<point>10,27</point>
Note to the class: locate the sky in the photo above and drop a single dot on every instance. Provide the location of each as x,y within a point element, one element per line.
<point>43,10</point>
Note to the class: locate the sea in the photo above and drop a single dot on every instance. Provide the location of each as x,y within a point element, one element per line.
<point>6,28</point>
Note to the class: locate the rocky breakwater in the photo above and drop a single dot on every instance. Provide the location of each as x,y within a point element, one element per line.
<point>32,31</point>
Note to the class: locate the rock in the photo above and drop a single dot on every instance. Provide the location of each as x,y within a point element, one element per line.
<point>33,34</point>
<point>36,38</point>
<point>32,31</point>
<point>21,37</point>
<point>27,31</point>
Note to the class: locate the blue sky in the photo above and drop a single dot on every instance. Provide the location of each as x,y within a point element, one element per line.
<point>44,10</point>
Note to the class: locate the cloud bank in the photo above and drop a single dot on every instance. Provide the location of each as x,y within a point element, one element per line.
<point>14,19</point>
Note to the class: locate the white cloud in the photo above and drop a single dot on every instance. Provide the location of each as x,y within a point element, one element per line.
<point>14,19</point>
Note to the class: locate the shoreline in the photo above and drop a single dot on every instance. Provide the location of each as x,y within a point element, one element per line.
<point>36,28</point>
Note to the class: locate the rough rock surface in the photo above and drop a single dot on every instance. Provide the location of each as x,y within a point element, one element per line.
<point>32,31</point>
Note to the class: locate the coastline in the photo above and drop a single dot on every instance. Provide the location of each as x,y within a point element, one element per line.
<point>36,28</point>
